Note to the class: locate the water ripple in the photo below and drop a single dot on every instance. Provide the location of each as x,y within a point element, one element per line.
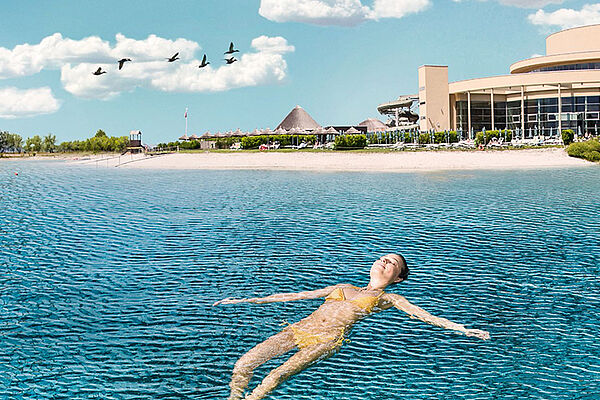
<point>107,279</point>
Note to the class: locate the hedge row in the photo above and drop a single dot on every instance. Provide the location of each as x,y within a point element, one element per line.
<point>505,135</point>
<point>350,142</point>
<point>589,150</point>
<point>253,142</point>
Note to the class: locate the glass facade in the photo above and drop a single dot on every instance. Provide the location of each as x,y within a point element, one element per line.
<point>569,67</point>
<point>541,115</point>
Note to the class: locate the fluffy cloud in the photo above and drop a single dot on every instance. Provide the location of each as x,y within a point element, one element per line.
<point>337,12</point>
<point>55,51</point>
<point>77,59</point>
<point>17,103</point>
<point>568,18</point>
<point>264,66</point>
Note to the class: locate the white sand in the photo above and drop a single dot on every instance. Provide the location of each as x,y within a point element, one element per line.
<point>369,162</point>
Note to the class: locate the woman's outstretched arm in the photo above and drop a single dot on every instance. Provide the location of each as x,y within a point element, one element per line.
<point>394,300</point>
<point>312,294</point>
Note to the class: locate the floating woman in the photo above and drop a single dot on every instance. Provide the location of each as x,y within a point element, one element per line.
<point>320,334</point>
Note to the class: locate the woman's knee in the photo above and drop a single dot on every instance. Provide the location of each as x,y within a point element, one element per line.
<point>244,365</point>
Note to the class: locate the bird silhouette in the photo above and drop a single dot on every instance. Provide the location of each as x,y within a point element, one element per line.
<point>204,63</point>
<point>230,60</point>
<point>173,58</point>
<point>123,61</point>
<point>99,72</point>
<point>231,50</point>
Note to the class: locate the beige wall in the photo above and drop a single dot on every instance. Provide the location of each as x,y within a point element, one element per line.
<point>567,78</point>
<point>574,40</point>
<point>434,99</point>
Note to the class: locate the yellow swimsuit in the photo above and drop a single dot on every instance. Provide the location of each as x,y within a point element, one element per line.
<point>305,339</point>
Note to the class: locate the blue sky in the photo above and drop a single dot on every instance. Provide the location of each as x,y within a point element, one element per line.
<point>338,59</point>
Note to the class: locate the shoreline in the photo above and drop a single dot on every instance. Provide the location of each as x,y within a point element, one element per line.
<point>397,161</point>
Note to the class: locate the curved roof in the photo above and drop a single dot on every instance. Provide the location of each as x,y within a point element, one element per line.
<point>298,118</point>
<point>514,82</point>
<point>569,46</point>
<point>532,64</point>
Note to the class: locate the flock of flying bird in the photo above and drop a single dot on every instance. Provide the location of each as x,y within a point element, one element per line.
<point>175,57</point>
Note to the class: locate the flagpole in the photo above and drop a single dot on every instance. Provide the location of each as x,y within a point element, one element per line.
<point>186,121</point>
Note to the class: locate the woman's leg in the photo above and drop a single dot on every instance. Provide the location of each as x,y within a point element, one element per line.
<point>258,355</point>
<point>296,363</point>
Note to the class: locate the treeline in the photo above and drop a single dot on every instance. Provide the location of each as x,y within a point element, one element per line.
<point>220,143</point>
<point>100,142</point>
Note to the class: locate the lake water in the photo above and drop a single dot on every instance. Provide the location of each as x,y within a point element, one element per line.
<point>107,277</point>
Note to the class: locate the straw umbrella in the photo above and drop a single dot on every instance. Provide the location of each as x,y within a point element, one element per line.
<point>331,131</point>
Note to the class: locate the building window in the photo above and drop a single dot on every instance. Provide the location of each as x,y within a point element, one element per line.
<point>532,118</point>
<point>592,115</point>
<point>516,119</point>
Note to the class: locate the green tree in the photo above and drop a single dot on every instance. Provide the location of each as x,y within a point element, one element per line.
<point>49,143</point>
<point>3,141</point>
<point>567,136</point>
<point>14,143</point>
<point>100,133</point>
<point>34,144</point>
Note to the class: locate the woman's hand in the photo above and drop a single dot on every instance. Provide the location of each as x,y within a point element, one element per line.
<point>229,300</point>
<point>478,333</point>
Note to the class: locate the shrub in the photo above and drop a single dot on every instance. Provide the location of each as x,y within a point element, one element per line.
<point>567,136</point>
<point>253,142</point>
<point>589,150</point>
<point>350,142</point>
<point>495,134</point>
<point>424,138</point>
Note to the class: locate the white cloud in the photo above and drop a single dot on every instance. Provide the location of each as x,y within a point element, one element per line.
<point>17,103</point>
<point>77,59</point>
<point>337,12</point>
<point>568,18</point>
<point>264,66</point>
<point>55,51</point>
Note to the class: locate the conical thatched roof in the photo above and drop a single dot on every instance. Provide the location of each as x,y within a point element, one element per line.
<point>352,131</point>
<point>374,125</point>
<point>331,131</point>
<point>194,137</point>
<point>298,118</point>
<point>184,137</point>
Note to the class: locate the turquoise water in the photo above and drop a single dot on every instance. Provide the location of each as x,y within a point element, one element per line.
<point>107,277</point>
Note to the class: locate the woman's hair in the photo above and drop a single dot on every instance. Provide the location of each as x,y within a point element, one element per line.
<point>403,274</point>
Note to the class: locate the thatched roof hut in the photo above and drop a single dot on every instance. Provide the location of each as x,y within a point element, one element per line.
<point>298,118</point>
<point>374,125</point>
<point>352,131</point>
<point>184,137</point>
<point>194,137</point>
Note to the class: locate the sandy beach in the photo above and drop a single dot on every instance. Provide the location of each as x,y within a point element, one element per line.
<point>366,162</point>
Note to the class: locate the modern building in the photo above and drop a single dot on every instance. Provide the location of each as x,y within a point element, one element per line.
<point>541,95</point>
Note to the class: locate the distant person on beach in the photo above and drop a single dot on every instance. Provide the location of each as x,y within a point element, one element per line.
<point>319,335</point>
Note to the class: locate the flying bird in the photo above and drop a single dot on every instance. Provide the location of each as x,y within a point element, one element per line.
<point>231,50</point>
<point>99,71</point>
<point>173,58</point>
<point>123,61</point>
<point>230,60</point>
<point>204,63</point>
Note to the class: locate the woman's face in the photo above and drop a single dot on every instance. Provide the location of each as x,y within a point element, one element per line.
<point>386,269</point>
